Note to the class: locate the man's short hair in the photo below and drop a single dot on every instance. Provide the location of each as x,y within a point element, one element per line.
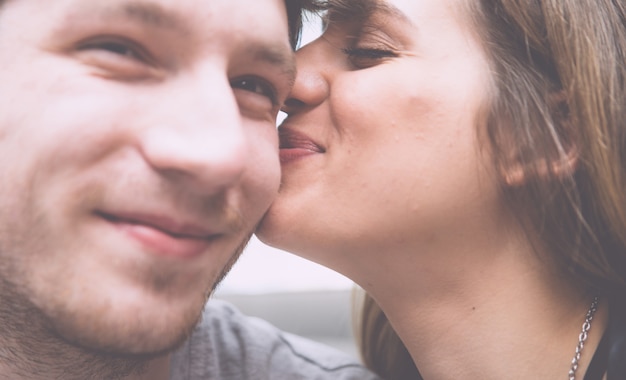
<point>294,13</point>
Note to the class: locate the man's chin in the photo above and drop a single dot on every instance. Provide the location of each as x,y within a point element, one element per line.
<point>148,349</point>
<point>135,336</point>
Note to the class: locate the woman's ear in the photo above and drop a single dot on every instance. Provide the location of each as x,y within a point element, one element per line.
<point>565,165</point>
<point>557,159</point>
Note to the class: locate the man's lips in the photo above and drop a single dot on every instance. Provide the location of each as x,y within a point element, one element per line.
<point>162,235</point>
<point>295,145</point>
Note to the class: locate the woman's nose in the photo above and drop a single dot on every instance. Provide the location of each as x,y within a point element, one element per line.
<point>312,83</point>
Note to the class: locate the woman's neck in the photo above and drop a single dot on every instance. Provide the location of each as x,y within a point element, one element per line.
<point>503,316</point>
<point>490,342</point>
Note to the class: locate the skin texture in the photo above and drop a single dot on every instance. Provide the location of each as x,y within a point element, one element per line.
<point>388,179</point>
<point>138,150</point>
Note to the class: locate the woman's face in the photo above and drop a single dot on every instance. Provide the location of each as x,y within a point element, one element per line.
<point>381,147</point>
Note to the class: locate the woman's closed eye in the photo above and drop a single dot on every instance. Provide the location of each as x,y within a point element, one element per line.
<point>363,58</point>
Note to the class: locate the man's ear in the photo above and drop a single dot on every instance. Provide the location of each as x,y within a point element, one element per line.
<point>562,163</point>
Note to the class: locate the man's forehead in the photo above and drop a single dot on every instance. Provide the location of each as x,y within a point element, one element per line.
<point>150,14</point>
<point>155,13</point>
<point>184,17</point>
<point>146,12</point>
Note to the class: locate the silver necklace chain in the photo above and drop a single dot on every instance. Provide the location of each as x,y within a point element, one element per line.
<point>583,337</point>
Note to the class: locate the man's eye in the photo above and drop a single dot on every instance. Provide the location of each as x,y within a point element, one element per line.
<point>117,58</point>
<point>125,49</point>
<point>116,48</point>
<point>256,86</point>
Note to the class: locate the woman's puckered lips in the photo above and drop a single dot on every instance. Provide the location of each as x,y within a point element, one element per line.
<point>290,139</point>
<point>295,145</point>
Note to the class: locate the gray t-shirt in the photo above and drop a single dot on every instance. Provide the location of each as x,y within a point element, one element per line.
<point>228,345</point>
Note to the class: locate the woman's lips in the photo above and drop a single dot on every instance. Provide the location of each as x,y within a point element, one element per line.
<point>295,145</point>
<point>163,236</point>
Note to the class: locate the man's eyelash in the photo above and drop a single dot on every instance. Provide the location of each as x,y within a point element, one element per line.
<point>256,86</point>
<point>117,46</point>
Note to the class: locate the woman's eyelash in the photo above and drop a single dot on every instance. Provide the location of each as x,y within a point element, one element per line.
<point>369,53</point>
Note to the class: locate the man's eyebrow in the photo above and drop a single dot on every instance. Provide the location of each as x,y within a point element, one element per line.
<point>152,14</point>
<point>146,13</point>
<point>156,16</point>
<point>276,55</point>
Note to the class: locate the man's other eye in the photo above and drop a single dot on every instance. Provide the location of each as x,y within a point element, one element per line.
<point>367,57</point>
<point>256,86</point>
<point>117,58</point>
<point>122,48</point>
<point>116,48</point>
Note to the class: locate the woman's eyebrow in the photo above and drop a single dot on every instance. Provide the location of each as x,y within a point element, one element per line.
<point>362,9</point>
<point>277,55</point>
<point>390,10</point>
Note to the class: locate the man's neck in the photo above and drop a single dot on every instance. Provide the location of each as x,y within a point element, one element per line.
<point>35,363</point>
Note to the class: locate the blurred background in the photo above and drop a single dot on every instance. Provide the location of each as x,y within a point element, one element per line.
<point>294,294</point>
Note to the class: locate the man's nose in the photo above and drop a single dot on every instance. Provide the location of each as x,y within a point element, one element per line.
<point>199,137</point>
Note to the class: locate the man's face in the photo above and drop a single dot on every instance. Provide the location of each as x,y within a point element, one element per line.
<point>137,152</point>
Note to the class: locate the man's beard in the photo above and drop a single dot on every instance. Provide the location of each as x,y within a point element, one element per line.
<point>31,346</point>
